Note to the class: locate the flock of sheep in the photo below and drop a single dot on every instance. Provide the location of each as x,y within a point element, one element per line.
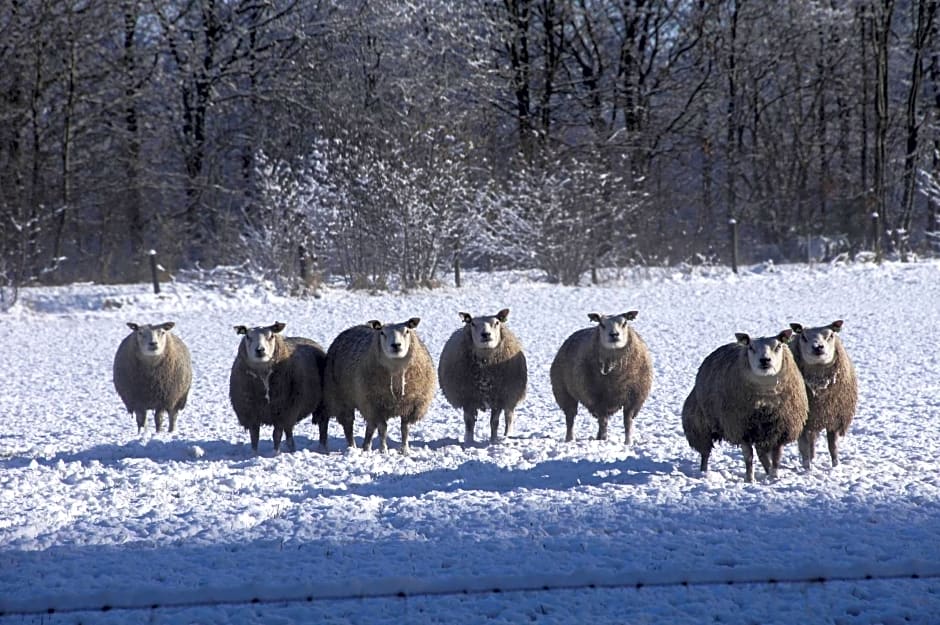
<point>759,393</point>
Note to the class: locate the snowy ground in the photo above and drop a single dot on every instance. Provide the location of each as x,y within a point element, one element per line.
<point>191,528</point>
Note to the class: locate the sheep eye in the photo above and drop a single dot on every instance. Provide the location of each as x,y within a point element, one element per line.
<point>778,346</point>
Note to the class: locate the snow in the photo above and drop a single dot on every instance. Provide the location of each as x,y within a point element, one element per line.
<point>101,525</point>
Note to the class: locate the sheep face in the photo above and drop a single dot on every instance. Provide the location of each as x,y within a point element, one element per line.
<point>612,331</point>
<point>817,345</point>
<point>395,338</point>
<point>486,332</point>
<point>151,339</point>
<point>260,343</point>
<point>765,355</point>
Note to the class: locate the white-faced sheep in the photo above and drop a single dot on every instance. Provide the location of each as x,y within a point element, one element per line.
<point>382,371</point>
<point>606,368</point>
<point>153,371</point>
<point>749,393</point>
<point>277,381</point>
<point>482,367</point>
<point>831,387</point>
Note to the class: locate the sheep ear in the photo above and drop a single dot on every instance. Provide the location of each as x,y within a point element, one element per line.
<point>375,325</point>
<point>466,317</point>
<point>742,338</point>
<point>785,336</point>
<point>503,315</point>
<point>133,326</point>
<point>413,322</point>
<point>595,317</point>
<point>630,316</point>
<point>278,326</point>
<point>168,325</point>
<point>241,330</point>
<point>797,328</point>
<point>836,326</point>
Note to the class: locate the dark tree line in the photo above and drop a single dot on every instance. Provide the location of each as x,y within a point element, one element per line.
<point>379,139</point>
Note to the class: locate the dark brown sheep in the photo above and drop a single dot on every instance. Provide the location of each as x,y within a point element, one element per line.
<point>276,380</point>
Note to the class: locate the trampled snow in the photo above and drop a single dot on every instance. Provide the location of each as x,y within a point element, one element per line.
<point>101,525</point>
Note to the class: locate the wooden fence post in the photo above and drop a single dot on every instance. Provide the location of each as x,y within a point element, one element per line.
<point>876,236</point>
<point>733,223</point>
<point>153,272</point>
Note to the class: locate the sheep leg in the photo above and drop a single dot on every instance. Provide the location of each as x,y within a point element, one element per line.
<point>807,446</point>
<point>254,431</point>
<point>775,457</point>
<point>324,432</point>
<point>346,420</point>
<point>469,422</point>
<point>173,414</point>
<point>494,425</point>
<point>703,467</point>
<point>141,420</point>
<point>628,415</point>
<point>289,435</point>
<point>509,413</point>
<point>602,427</point>
<point>405,428</point>
<point>763,454</point>
<point>832,437</point>
<point>748,451</point>
<point>278,432</point>
<point>367,439</point>
<point>158,419</point>
<point>569,406</point>
<point>383,435</point>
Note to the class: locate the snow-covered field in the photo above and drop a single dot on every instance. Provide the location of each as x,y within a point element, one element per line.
<point>191,528</point>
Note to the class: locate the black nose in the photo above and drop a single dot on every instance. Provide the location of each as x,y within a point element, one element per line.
<point>396,347</point>
<point>485,336</point>
<point>153,345</point>
<point>614,336</point>
<point>765,363</point>
<point>819,349</point>
<point>260,351</point>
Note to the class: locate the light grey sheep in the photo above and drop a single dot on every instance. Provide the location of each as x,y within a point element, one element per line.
<point>606,368</point>
<point>382,371</point>
<point>153,371</point>
<point>482,366</point>
<point>831,387</point>
<point>749,393</point>
<point>277,381</point>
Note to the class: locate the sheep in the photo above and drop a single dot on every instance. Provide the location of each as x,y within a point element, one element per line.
<point>153,371</point>
<point>831,387</point>
<point>383,371</point>
<point>276,380</point>
<point>749,393</point>
<point>482,366</point>
<point>606,368</point>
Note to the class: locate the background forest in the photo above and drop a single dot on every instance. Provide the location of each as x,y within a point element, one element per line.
<point>377,140</point>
